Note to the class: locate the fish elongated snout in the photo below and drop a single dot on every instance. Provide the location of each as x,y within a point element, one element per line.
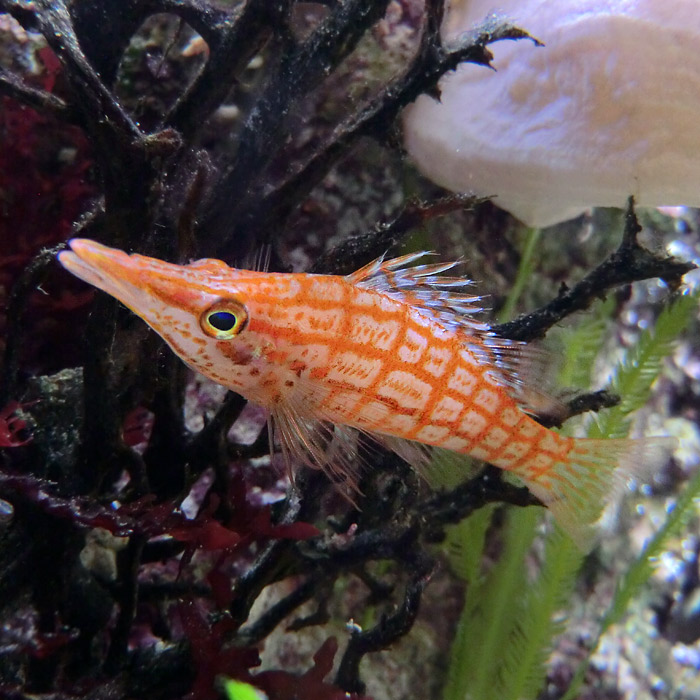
<point>108,269</point>
<point>147,286</point>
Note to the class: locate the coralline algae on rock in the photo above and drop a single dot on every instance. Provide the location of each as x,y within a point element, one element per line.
<point>609,107</point>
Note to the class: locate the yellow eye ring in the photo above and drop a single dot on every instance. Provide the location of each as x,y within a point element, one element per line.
<point>224,320</point>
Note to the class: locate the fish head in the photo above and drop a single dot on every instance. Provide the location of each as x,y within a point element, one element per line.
<point>202,310</point>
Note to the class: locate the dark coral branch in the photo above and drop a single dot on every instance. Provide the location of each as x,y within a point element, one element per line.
<point>631,262</point>
<point>383,542</point>
<point>232,43</point>
<point>156,673</point>
<point>431,63</point>
<point>128,159</point>
<point>109,374</point>
<point>161,550</point>
<point>158,592</point>
<point>268,621</point>
<point>321,615</point>
<point>164,457</point>
<point>16,306</point>
<point>336,38</point>
<point>274,561</point>
<point>264,570</point>
<point>25,15</point>
<point>392,541</point>
<point>206,19</point>
<point>593,401</point>
<point>127,599</point>
<point>186,220</point>
<point>301,69</point>
<point>389,628</point>
<point>449,507</point>
<point>209,444</point>
<point>103,43</point>
<point>434,16</point>
<point>40,100</point>
<point>102,112</point>
<point>379,590</point>
<point>353,253</point>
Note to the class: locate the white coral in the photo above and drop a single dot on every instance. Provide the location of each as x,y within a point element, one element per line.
<point>609,107</point>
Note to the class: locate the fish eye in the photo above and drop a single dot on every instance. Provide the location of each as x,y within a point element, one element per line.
<point>224,320</point>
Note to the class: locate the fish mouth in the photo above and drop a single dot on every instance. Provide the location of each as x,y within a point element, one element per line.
<point>108,269</point>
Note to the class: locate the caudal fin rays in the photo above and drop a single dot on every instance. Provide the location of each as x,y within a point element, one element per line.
<point>578,490</point>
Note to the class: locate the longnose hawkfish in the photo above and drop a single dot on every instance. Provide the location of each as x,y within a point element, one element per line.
<point>393,350</point>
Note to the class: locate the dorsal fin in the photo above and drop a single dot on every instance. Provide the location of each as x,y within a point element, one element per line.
<point>522,369</point>
<point>424,287</point>
<point>513,364</point>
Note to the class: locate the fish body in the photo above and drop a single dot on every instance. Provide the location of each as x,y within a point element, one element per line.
<point>392,350</point>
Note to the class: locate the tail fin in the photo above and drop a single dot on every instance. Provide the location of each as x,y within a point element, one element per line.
<point>595,473</point>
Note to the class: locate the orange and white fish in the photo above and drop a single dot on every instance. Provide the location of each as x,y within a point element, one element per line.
<point>393,350</point>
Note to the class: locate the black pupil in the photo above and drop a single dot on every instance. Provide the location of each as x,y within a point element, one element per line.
<point>222,320</point>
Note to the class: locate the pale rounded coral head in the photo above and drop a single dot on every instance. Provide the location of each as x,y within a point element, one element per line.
<point>607,108</point>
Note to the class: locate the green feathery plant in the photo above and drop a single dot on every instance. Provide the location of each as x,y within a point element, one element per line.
<point>510,618</point>
<point>640,572</point>
<point>525,270</point>
<point>644,361</point>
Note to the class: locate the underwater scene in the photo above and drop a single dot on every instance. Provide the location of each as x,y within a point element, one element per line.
<point>349,349</point>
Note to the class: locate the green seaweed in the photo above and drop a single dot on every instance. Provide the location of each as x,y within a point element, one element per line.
<point>539,619</point>
<point>640,572</point>
<point>489,614</point>
<point>464,544</point>
<point>525,270</point>
<point>581,345</point>
<point>635,375</point>
<point>642,365</point>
